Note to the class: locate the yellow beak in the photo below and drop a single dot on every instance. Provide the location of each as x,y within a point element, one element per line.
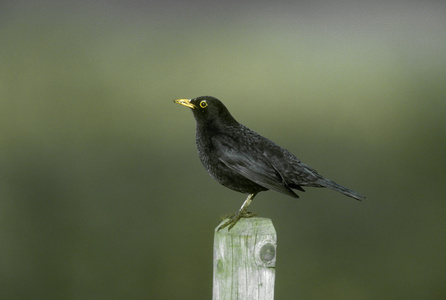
<point>185,102</point>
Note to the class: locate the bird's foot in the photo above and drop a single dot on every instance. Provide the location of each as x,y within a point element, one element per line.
<point>233,219</point>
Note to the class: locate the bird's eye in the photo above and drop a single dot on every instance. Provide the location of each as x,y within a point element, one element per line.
<point>203,104</point>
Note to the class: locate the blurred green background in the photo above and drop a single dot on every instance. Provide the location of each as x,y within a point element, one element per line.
<point>102,195</point>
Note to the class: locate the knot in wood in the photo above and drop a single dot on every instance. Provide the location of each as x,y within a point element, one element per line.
<point>266,254</point>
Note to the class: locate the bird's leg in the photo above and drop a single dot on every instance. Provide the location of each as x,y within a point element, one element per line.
<point>242,213</point>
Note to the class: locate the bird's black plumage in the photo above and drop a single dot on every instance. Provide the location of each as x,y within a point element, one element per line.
<point>245,161</point>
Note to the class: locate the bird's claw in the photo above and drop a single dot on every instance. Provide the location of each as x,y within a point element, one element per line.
<point>233,219</point>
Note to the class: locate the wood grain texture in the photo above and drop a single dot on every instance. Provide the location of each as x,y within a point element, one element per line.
<point>244,260</point>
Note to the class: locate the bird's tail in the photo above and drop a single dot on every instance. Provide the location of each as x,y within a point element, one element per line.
<point>339,188</point>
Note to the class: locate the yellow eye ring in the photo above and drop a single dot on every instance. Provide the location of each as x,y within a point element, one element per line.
<point>203,104</point>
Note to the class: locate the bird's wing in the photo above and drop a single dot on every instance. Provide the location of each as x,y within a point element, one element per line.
<point>249,162</point>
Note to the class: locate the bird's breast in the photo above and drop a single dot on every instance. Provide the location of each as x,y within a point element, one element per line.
<point>209,156</point>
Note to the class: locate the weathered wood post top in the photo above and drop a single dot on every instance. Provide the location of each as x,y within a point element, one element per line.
<point>244,260</point>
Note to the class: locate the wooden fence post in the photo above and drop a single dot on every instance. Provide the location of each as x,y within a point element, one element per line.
<point>244,261</point>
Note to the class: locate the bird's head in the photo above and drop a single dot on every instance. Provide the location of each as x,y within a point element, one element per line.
<point>207,109</point>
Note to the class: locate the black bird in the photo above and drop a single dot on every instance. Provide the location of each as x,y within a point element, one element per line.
<point>245,161</point>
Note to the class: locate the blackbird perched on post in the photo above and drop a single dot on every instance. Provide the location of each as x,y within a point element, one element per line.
<point>245,161</point>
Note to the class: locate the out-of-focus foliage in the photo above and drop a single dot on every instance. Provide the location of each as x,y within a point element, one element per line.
<point>102,195</point>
